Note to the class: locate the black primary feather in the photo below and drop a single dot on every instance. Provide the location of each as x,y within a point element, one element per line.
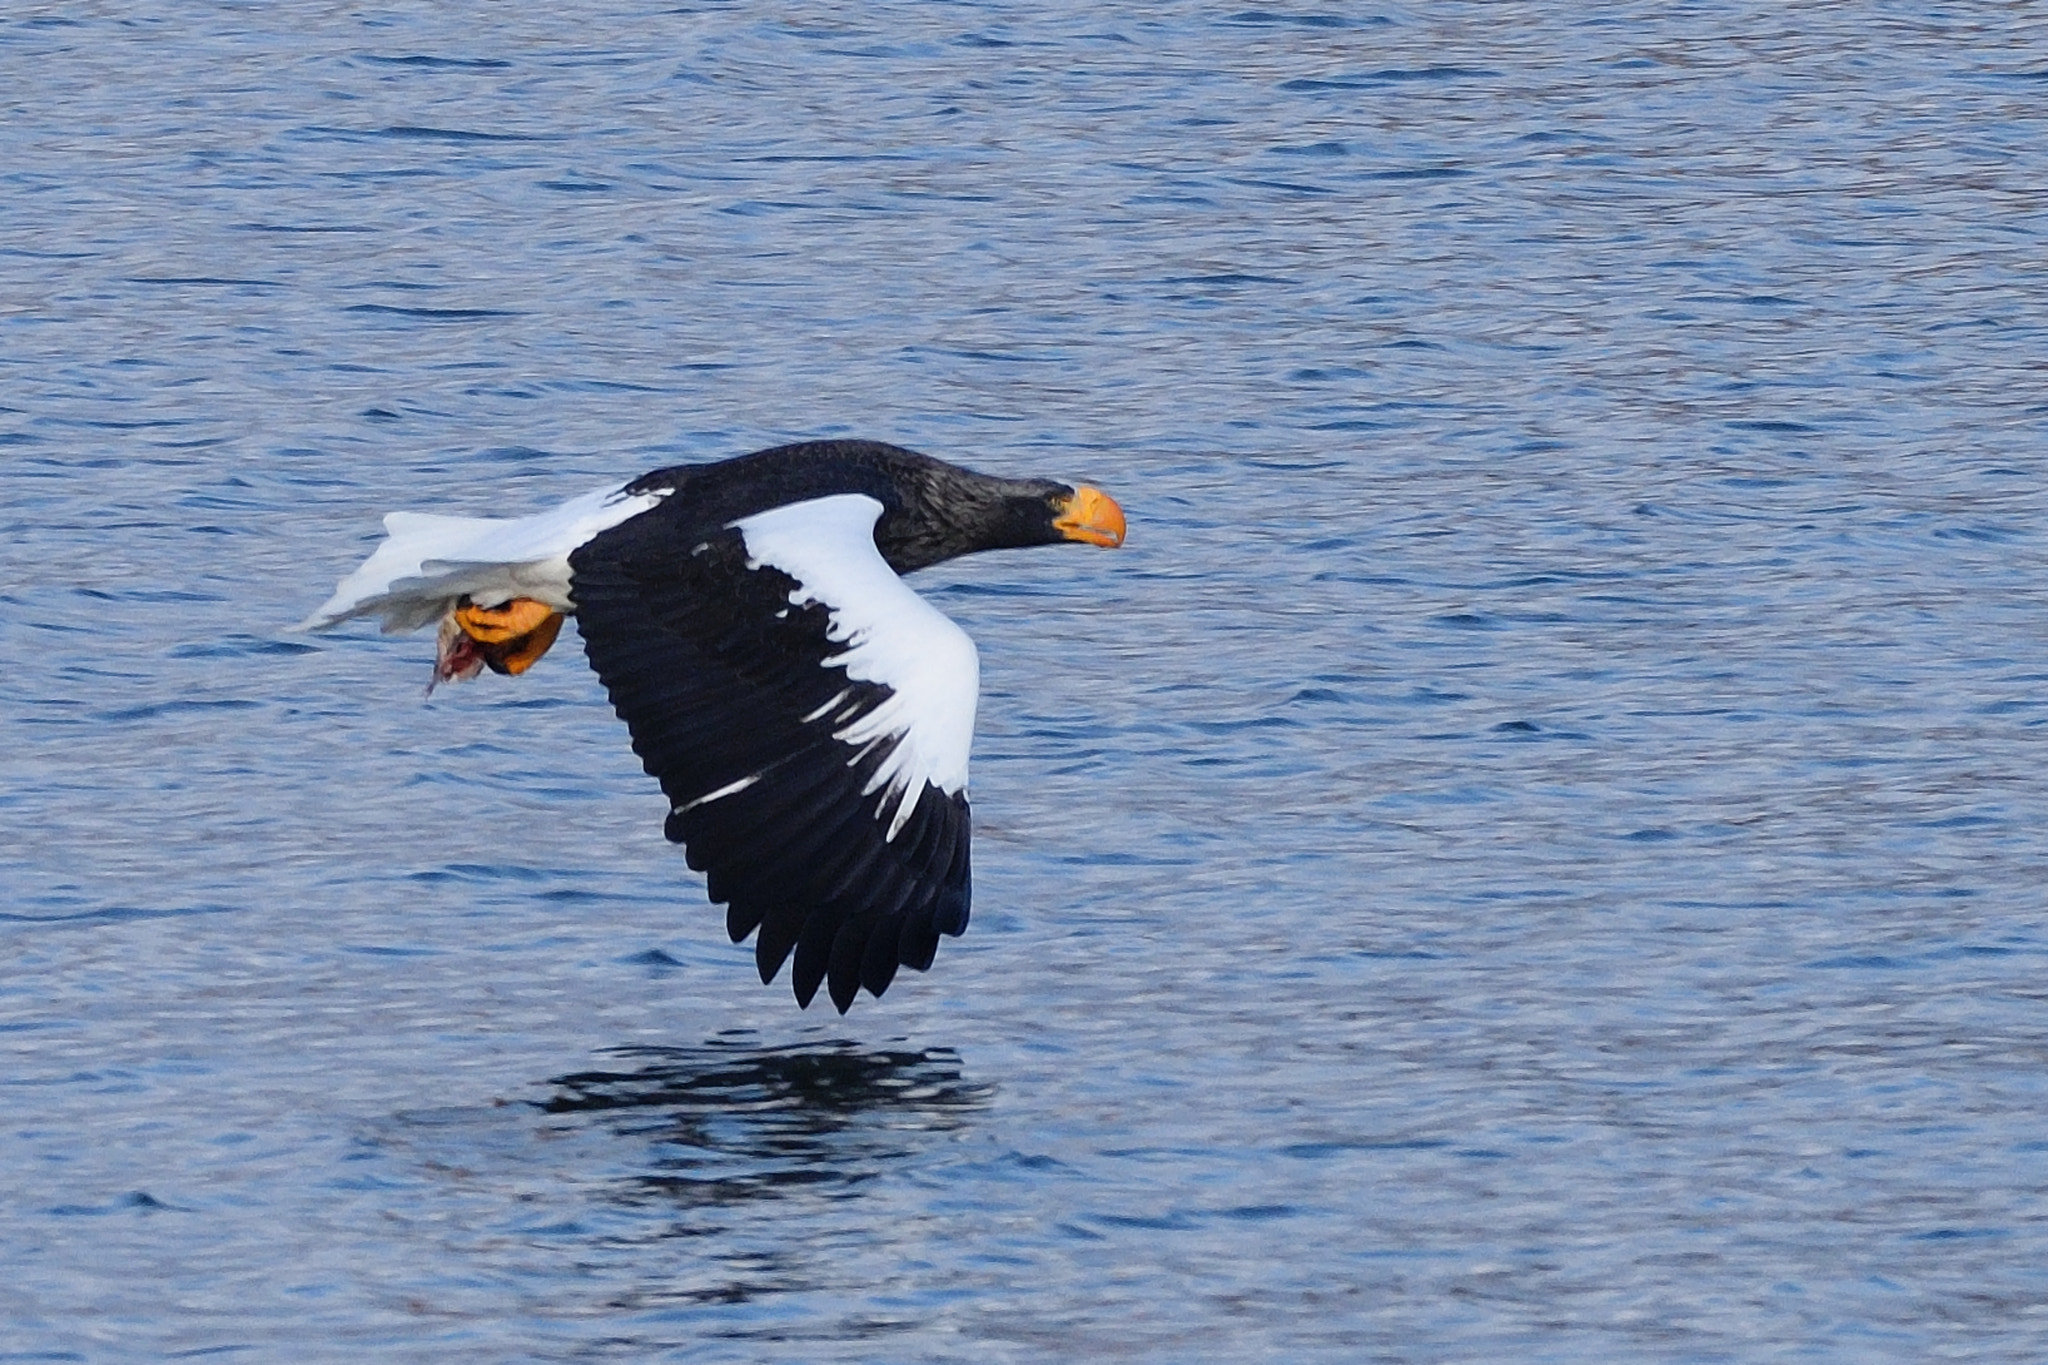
<point>713,669</point>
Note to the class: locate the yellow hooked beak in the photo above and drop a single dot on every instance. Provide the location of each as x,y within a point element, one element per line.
<point>1092,517</point>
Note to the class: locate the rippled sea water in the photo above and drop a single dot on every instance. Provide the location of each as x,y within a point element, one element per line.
<point>1533,851</point>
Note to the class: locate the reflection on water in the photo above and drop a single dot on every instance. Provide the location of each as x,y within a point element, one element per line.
<point>732,1122</point>
<point>1534,853</point>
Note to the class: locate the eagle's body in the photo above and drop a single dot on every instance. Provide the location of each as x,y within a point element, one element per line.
<point>808,715</point>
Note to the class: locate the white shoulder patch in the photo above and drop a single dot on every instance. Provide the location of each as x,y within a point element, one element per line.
<point>890,636</point>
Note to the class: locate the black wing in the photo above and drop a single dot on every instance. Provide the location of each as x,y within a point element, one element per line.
<point>722,681</point>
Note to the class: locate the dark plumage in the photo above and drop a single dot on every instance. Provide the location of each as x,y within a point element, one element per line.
<point>807,715</point>
<point>931,511</point>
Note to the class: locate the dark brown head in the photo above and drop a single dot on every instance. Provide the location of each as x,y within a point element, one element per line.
<point>943,511</point>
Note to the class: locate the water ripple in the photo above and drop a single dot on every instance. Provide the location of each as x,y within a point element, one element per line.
<point>1529,851</point>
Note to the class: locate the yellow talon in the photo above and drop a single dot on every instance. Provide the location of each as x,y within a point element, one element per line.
<point>509,638</point>
<point>503,624</point>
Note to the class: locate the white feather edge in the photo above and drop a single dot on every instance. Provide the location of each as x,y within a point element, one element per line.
<point>888,634</point>
<point>427,561</point>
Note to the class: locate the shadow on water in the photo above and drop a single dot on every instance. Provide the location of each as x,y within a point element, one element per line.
<point>732,1123</point>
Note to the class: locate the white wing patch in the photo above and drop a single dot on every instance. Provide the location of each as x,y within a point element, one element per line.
<point>890,636</point>
<point>427,561</point>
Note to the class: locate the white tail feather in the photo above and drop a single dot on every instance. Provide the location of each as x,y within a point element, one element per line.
<point>429,562</point>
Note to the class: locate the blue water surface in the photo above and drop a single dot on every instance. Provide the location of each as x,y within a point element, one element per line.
<point>1534,851</point>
